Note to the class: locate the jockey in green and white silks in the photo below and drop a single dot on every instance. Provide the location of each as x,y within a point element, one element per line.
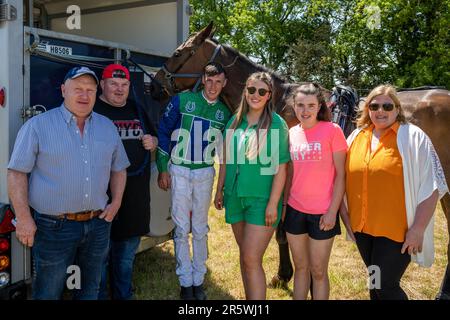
<point>187,129</point>
<point>186,134</point>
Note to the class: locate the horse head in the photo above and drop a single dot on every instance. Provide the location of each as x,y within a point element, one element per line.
<point>184,68</point>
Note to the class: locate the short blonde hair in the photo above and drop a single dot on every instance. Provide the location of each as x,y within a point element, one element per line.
<point>382,90</point>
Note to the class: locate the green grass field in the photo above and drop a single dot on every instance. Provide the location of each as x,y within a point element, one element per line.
<point>155,278</point>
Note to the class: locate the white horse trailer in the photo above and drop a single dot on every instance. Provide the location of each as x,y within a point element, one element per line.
<point>39,41</point>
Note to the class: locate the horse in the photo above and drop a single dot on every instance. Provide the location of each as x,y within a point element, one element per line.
<point>183,69</point>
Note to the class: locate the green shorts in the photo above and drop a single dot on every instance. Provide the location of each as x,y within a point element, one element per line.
<point>249,209</point>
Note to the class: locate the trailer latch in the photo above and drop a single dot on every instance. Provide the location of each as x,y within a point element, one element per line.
<point>7,12</point>
<point>29,112</point>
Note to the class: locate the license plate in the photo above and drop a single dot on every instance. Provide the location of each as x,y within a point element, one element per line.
<point>58,50</point>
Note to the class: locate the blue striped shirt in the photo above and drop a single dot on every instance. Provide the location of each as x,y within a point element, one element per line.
<point>68,172</point>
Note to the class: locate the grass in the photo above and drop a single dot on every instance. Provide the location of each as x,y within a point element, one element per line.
<point>155,278</point>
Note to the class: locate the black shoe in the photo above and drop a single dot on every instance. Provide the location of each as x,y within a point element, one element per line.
<point>187,293</point>
<point>199,293</point>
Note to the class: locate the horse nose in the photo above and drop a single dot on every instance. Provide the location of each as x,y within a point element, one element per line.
<point>159,91</point>
<point>155,90</point>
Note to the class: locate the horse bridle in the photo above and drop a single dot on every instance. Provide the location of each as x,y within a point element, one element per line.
<point>171,76</point>
<point>342,116</point>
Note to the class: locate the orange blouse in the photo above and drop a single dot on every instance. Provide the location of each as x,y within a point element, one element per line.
<point>374,186</point>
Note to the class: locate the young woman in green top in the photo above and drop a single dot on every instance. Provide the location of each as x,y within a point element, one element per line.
<point>252,178</point>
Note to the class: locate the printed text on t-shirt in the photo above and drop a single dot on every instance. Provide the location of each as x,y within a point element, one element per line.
<point>311,151</point>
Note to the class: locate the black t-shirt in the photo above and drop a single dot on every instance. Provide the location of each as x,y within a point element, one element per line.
<point>133,218</point>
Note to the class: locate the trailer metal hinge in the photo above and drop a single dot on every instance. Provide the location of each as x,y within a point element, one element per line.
<point>29,112</point>
<point>189,10</point>
<point>7,12</point>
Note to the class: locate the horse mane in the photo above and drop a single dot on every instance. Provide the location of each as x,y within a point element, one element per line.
<point>275,75</point>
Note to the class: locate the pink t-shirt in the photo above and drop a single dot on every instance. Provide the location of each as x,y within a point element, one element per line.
<point>312,158</point>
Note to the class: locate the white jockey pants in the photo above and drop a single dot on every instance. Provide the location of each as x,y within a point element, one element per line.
<point>191,198</point>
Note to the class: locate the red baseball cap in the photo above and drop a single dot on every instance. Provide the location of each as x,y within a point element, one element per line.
<point>116,71</point>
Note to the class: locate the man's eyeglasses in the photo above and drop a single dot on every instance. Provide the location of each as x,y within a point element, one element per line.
<point>261,91</point>
<point>385,106</point>
<point>119,74</point>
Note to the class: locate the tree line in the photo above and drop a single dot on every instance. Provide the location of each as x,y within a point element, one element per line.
<point>361,43</point>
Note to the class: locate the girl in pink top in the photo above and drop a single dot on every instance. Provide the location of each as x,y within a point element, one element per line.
<point>314,190</point>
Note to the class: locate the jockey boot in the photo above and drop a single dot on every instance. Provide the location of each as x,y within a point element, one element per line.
<point>187,293</point>
<point>199,292</point>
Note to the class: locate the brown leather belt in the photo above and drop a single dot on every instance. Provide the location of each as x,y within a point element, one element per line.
<point>80,216</point>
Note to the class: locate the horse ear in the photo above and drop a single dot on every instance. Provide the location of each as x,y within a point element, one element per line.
<point>205,33</point>
<point>213,31</point>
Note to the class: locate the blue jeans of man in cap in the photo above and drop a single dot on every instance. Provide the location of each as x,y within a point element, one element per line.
<point>120,265</point>
<point>60,243</point>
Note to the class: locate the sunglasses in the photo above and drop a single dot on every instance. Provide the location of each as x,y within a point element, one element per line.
<point>261,91</point>
<point>385,106</point>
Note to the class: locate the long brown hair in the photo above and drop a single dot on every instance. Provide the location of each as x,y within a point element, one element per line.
<point>363,120</point>
<point>265,120</point>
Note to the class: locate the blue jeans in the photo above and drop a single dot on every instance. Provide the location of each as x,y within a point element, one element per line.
<point>120,265</point>
<point>60,243</point>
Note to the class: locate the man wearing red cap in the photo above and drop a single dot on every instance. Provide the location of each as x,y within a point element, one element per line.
<point>133,218</point>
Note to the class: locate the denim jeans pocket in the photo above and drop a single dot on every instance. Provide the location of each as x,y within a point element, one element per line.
<point>48,223</point>
<point>104,221</point>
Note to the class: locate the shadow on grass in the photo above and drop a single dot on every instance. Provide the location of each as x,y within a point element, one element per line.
<point>154,278</point>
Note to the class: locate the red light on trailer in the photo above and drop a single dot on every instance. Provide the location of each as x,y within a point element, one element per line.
<point>6,225</point>
<point>2,97</point>
<point>4,245</point>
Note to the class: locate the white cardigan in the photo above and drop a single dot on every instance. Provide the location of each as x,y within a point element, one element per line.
<point>423,174</point>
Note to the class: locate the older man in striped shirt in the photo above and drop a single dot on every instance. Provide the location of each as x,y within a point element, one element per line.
<point>58,177</point>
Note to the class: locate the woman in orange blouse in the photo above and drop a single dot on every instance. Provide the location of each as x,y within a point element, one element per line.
<point>392,187</point>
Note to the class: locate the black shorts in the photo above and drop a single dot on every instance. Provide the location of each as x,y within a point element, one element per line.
<point>296,222</point>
